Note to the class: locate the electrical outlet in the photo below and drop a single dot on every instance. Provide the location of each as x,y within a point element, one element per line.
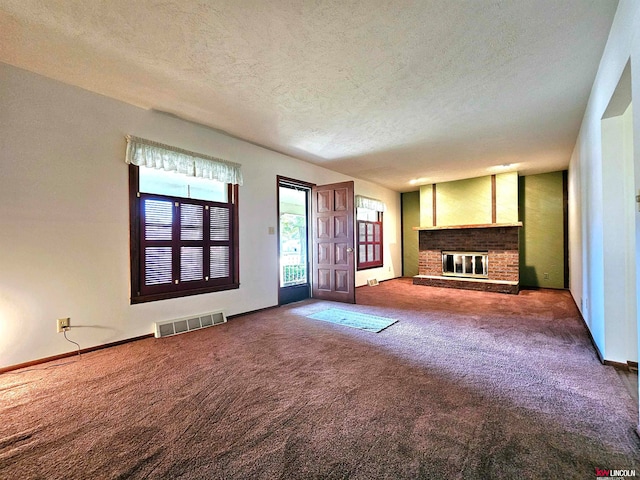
<point>586,307</point>
<point>63,324</point>
<point>546,276</point>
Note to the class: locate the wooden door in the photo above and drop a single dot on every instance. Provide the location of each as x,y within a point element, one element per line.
<point>333,258</point>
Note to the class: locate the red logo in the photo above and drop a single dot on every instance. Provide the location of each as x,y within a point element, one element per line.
<point>602,473</point>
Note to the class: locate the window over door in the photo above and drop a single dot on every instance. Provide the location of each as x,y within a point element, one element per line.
<point>369,238</point>
<point>184,238</point>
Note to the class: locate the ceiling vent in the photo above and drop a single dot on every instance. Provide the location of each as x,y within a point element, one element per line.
<point>188,324</point>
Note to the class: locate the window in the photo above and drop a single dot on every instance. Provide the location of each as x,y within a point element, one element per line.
<point>183,235</point>
<point>369,229</point>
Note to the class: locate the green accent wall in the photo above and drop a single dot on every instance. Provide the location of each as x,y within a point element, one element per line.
<point>463,202</point>
<point>410,218</point>
<point>468,202</point>
<point>541,202</point>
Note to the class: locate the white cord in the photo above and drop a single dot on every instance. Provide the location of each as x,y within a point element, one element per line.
<point>71,341</point>
<point>18,372</point>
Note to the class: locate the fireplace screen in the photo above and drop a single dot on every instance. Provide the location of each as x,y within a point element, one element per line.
<point>465,264</point>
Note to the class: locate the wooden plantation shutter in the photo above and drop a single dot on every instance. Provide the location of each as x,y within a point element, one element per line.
<point>185,244</point>
<point>220,248</point>
<point>156,242</point>
<point>191,242</point>
<point>220,243</point>
<point>369,244</point>
<point>369,231</point>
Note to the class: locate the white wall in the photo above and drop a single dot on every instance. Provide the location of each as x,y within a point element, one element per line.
<point>631,207</point>
<point>596,189</point>
<point>64,224</point>
<point>618,239</point>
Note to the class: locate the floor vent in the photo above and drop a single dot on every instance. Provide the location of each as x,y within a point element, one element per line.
<point>188,324</point>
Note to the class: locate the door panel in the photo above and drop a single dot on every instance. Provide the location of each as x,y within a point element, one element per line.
<point>341,227</point>
<point>323,229</point>
<point>324,254</point>
<point>333,258</point>
<point>341,196</point>
<point>323,201</point>
<point>342,281</point>
<point>342,254</point>
<point>324,279</point>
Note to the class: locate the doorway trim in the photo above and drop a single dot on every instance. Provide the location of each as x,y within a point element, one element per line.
<point>294,293</point>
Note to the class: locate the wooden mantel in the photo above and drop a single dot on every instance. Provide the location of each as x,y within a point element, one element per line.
<point>460,227</point>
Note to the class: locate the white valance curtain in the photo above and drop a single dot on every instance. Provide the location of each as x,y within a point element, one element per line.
<point>370,203</point>
<point>156,155</point>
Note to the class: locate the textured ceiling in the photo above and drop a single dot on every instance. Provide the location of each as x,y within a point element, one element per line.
<point>386,91</point>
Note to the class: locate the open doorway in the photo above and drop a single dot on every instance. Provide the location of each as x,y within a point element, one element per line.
<point>293,240</point>
<point>619,232</point>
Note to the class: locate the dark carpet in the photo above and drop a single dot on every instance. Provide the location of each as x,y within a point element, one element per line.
<point>467,385</point>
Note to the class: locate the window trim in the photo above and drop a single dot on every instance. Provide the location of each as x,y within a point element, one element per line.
<point>135,249</point>
<point>373,264</point>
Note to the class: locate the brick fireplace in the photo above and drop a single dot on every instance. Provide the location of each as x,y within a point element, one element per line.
<point>499,241</point>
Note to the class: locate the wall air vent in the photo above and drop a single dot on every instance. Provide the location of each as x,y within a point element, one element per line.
<point>188,324</point>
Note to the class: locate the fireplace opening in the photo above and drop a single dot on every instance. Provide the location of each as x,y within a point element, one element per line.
<point>465,264</point>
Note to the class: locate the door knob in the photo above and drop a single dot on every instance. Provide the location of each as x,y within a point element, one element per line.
<point>349,249</point>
